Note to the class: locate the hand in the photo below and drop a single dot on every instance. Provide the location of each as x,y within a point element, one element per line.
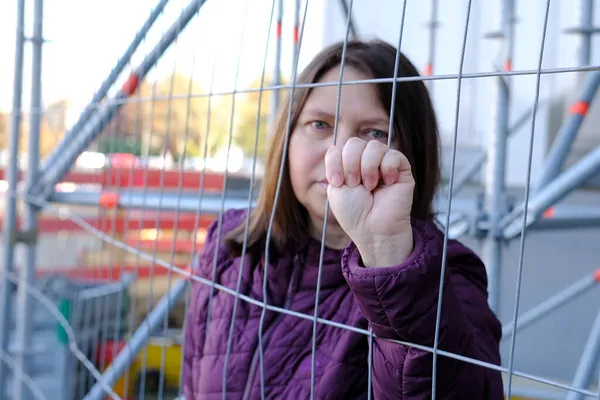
<point>370,193</point>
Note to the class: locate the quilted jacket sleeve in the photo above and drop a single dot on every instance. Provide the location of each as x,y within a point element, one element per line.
<point>400,303</point>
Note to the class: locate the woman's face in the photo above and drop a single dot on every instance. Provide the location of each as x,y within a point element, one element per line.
<point>360,115</point>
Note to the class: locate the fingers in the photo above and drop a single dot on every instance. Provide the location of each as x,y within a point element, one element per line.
<point>372,157</point>
<point>351,161</point>
<point>333,167</point>
<point>395,168</point>
<point>367,163</point>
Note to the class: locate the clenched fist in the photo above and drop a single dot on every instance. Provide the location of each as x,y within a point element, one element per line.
<point>371,193</point>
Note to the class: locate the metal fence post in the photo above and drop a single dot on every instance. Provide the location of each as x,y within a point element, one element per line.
<point>10,213</point>
<point>24,315</point>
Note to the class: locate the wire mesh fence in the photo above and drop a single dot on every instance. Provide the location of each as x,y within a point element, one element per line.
<point>122,276</point>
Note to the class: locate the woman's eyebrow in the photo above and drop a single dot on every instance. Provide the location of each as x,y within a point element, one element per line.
<point>376,121</point>
<point>319,114</point>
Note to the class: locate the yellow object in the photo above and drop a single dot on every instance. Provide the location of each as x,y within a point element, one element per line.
<point>149,363</point>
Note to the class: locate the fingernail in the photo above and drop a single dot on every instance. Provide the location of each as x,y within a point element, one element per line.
<point>368,183</point>
<point>336,180</point>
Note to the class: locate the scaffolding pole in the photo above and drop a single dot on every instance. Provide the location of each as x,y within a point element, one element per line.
<point>51,174</point>
<point>548,306</point>
<point>496,171</point>
<point>277,62</point>
<point>569,130</point>
<point>108,82</point>
<point>433,27</point>
<point>208,203</point>
<point>10,213</point>
<point>588,361</point>
<point>586,19</point>
<point>560,187</point>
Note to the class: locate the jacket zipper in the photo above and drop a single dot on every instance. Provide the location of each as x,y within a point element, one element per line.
<point>288,301</point>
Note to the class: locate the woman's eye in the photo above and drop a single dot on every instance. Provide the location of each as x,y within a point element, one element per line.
<point>319,125</point>
<point>377,134</point>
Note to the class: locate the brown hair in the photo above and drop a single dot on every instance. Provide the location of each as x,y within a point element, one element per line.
<point>414,120</point>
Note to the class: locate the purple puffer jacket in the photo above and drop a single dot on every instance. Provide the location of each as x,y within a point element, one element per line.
<point>397,302</point>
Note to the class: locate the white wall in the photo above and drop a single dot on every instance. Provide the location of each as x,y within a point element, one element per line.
<point>381,19</point>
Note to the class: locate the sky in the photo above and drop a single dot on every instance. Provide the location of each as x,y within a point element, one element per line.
<point>86,38</point>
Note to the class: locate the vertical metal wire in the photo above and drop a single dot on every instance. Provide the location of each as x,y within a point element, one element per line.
<point>526,202</point>
<point>138,130</point>
<point>133,300</point>
<point>395,81</point>
<point>389,143</point>
<point>497,153</point>
<point>84,374</point>
<point>96,311</point>
<point>177,212</point>
<point>175,228</point>
<point>449,207</point>
<point>159,209</point>
<point>326,218</point>
<point>138,246</point>
<point>7,288</point>
<point>106,214</point>
<point>200,193</point>
<point>248,214</point>
<point>275,200</point>
<point>370,365</point>
<point>226,173</point>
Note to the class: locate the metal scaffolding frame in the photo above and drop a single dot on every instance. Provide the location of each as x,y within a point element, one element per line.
<point>494,220</point>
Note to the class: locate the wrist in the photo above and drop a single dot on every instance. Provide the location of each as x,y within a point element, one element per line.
<point>387,251</point>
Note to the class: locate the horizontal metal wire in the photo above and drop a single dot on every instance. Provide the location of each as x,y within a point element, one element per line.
<point>250,300</point>
<point>441,77</point>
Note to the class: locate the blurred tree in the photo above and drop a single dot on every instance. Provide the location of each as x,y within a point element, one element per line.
<point>169,115</point>
<point>53,126</point>
<point>247,114</point>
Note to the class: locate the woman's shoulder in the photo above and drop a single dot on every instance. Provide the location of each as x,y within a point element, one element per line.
<point>214,236</point>
<point>229,220</point>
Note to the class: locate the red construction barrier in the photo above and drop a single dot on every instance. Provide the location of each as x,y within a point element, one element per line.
<point>141,177</point>
<point>119,224</point>
<point>110,272</point>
